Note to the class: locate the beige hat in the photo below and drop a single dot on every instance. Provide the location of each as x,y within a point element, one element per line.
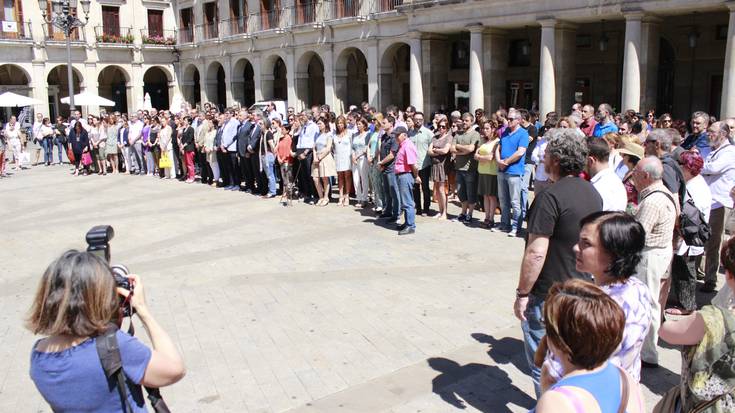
<point>632,149</point>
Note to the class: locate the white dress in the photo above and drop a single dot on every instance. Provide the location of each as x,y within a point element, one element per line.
<point>343,152</point>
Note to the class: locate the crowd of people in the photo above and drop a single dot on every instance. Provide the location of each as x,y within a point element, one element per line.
<point>623,213</point>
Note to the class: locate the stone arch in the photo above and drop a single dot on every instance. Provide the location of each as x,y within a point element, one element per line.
<point>215,85</point>
<point>274,78</point>
<point>243,82</point>
<point>157,82</point>
<point>351,78</point>
<point>112,83</point>
<point>16,79</point>
<point>191,85</point>
<point>58,87</point>
<point>394,75</point>
<point>310,79</point>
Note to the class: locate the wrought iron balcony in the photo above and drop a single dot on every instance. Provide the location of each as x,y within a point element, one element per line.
<point>238,25</point>
<point>158,37</point>
<point>53,34</point>
<point>186,35</point>
<point>114,35</point>
<point>207,31</point>
<point>15,30</point>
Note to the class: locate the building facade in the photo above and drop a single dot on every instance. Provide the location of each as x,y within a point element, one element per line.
<point>674,55</point>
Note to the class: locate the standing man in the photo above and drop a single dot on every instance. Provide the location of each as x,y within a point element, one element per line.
<point>304,154</point>
<point>229,147</point>
<point>135,128</point>
<point>553,230</point>
<point>658,210</point>
<point>421,137</point>
<point>698,137</point>
<point>719,173</point>
<point>406,173</point>
<point>529,167</point>
<point>605,122</point>
<point>658,143</point>
<point>189,148</point>
<point>258,174</point>
<point>604,179</point>
<point>511,163</point>
<point>243,136</point>
<point>464,146</point>
<point>588,120</point>
<point>388,150</point>
<point>37,138</point>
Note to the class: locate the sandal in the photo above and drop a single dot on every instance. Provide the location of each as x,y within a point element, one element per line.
<point>677,311</point>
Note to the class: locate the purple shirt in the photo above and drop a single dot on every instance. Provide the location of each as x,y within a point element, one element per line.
<point>634,298</point>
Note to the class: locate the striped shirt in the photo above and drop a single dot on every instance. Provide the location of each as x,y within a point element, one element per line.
<point>658,214</point>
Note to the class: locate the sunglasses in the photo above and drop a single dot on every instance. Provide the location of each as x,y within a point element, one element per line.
<point>442,126</point>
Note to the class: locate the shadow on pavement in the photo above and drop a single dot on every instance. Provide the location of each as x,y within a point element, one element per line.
<point>486,388</point>
<point>505,350</point>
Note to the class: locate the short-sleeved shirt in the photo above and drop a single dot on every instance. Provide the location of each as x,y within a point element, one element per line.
<point>388,144</point>
<point>487,167</point>
<point>555,213</point>
<point>466,162</point>
<point>509,144</point>
<point>406,157</point>
<point>62,377</point>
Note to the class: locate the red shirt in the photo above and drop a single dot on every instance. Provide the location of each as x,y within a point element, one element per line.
<point>588,126</point>
<point>283,150</point>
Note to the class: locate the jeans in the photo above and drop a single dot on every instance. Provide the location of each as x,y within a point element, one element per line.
<point>376,182</point>
<point>268,164</point>
<point>59,149</point>
<point>527,175</point>
<point>136,157</point>
<point>533,330</point>
<point>405,189</point>
<point>48,148</point>
<point>509,194</point>
<point>391,198</point>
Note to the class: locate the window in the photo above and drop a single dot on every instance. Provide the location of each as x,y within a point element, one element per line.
<point>186,35</point>
<point>111,20</point>
<point>11,16</point>
<point>53,33</point>
<point>460,55</point>
<point>155,23</point>
<point>210,20</point>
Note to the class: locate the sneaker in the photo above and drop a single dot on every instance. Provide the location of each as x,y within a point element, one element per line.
<point>459,218</point>
<point>401,227</point>
<point>407,231</point>
<point>512,233</point>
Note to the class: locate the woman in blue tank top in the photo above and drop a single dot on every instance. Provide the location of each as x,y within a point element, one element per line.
<point>584,327</point>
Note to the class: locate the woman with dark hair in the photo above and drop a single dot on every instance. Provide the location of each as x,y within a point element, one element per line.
<point>79,140</point>
<point>609,248</point>
<point>360,164</point>
<point>322,166</point>
<point>707,380</point>
<point>584,327</point>
<point>684,264</point>
<point>342,158</point>
<point>664,121</point>
<point>439,153</point>
<point>76,301</point>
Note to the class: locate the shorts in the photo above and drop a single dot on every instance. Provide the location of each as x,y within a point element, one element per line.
<point>467,186</point>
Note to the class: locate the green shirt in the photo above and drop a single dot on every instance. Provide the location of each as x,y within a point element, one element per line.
<point>421,139</point>
<point>467,162</point>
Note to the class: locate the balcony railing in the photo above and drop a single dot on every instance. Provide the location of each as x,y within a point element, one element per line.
<point>158,37</point>
<point>382,6</point>
<point>267,20</point>
<point>238,25</point>
<point>186,35</point>
<point>341,9</point>
<point>13,30</point>
<point>303,13</point>
<point>53,34</point>
<point>207,31</point>
<point>114,35</point>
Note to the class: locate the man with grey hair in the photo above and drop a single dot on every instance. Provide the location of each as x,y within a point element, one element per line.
<point>553,230</point>
<point>658,143</point>
<point>658,210</point>
<point>698,137</point>
<point>605,122</point>
<point>719,173</point>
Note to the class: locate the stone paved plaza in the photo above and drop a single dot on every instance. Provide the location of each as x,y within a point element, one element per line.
<point>284,309</point>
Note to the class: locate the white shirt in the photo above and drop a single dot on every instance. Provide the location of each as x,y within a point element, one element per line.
<point>12,132</point>
<point>134,131</point>
<point>699,191</point>
<point>719,173</point>
<point>537,157</point>
<point>611,189</point>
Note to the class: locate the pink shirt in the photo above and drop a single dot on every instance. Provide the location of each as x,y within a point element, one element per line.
<point>406,157</point>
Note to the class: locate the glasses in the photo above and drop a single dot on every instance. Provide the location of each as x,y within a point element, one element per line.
<point>666,121</point>
<point>442,126</point>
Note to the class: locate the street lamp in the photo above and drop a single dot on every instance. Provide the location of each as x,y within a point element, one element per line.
<point>62,17</point>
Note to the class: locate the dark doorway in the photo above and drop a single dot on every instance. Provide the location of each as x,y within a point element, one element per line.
<point>155,84</point>
<point>666,73</point>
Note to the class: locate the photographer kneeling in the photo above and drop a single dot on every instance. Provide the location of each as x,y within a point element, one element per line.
<point>76,301</point>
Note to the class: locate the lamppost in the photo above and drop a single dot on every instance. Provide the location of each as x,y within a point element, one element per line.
<point>62,17</point>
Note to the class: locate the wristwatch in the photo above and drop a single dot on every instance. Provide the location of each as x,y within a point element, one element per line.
<point>519,294</point>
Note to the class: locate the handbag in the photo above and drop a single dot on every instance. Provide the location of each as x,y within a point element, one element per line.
<point>165,161</point>
<point>70,155</point>
<point>86,159</point>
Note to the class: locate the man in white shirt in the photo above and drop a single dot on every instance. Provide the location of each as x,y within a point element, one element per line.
<point>719,173</point>
<point>12,134</point>
<point>135,150</point>
<point>37,138</point>
<point>604,179</point>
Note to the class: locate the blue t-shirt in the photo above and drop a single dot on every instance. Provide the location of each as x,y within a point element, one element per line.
<point>73,380</point>
<point>509,143</point>
<point>601,129</point>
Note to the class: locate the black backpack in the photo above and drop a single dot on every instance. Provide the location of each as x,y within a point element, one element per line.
<point>693,228</point>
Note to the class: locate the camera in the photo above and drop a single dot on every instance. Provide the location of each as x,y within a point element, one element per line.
<point>98,242</point>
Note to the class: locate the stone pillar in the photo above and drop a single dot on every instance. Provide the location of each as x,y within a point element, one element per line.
<point>631,98</point>
<point>547,77</point>
<point>564,65</point>
<point>293,99</point>
<point>328,57</point>
<point>40,88</point>
<point>257,77</point>
<point>416,83</point>
<point>650,44</point>
<point>435,61</point>
<point>373,63</point>
<point>135,88</point>
<point>229,97</point>
<point>495,68</point>
<point>90,76</point>
<point>728,79</point>
<point>477,89</point>
<point>203,81</point>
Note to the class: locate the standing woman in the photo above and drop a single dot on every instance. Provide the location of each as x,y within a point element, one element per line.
<point>360,164</point>
<point>487,169</point>
<point>60,138</point>
<point>79,139</point>
<point>267,150</point>
<point>47,136</point>
<point>94,142</point>
<point>376,179</point>
<point>153,140</point>
<point>210,153</point>
<point>323,166</point>
<point>111,148</point>
<point>166,146</point>
<point>438,150</point>
<point>285,156</point>
<point>145,135</point>
<point>342,155</point>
